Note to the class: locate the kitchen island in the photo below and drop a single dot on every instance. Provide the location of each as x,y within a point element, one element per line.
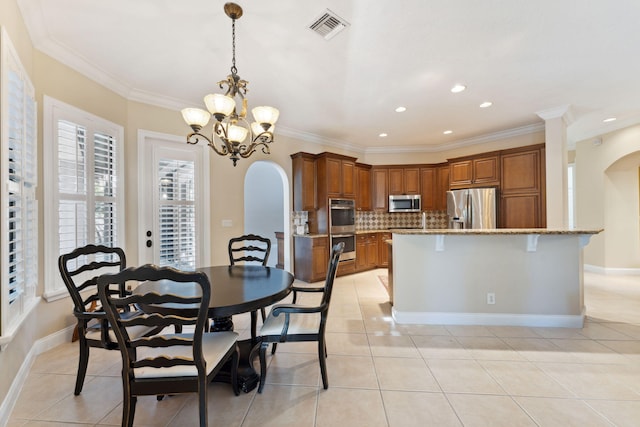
<point>511,277</point>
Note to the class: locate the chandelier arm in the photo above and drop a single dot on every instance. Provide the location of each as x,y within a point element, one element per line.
<point>210,142</point>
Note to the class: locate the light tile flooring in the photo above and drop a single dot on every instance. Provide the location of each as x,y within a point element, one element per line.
<point>384,374</point>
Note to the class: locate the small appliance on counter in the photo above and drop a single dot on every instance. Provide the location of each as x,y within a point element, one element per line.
<point>301,222</point>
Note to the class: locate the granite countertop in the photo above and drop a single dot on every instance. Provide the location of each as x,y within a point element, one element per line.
<point>311,235</point>
<point>498,231</point>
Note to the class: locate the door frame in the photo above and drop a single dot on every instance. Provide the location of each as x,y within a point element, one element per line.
<point>202,209</point>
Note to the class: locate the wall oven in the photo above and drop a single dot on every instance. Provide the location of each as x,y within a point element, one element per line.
<point>342,216</point>
<point>349,241</point>
<point>342,226</point>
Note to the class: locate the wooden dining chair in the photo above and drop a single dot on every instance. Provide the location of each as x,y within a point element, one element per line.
<point>167,363</point>
<point>250,248</point>
<point>79,269</point>
<point>296,322</point>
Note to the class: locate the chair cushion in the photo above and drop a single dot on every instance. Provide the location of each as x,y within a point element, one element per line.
<point>214,346</point>
<point>299,323</point>
<point>135,332</point>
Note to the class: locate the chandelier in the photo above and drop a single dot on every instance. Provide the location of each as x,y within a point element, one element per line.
<point>230,127</point>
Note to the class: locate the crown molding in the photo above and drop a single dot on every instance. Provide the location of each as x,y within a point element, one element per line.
<point>476,140</point>
<point>562,111</point>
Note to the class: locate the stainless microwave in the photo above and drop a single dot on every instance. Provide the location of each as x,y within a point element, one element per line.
<point>404,203</point>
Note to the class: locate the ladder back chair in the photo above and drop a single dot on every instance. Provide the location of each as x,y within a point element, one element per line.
<point>79,269</point>
<point>250,248</point>
<point>167,363</point>
<point>296,322</point>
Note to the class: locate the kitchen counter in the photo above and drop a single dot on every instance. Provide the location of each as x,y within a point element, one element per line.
<point>517,277</point>
<point>494,231</point>
<point>311,236</point>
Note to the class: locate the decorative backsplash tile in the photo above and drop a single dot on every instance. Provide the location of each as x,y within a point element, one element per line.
<point>373,220</point>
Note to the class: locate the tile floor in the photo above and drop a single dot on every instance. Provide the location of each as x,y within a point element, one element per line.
<point>383,374</point>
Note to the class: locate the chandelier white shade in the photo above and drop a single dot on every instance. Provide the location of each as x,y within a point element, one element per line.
<point>230,127</point>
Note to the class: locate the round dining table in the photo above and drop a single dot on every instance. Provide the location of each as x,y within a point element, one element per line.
<point>235,289</point>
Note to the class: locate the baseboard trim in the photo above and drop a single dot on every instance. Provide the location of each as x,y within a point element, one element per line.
<point>40,346</point>
<point>490,319</point>
<point>609,271</point>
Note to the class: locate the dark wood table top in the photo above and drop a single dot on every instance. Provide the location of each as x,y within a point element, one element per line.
<point>234,289</point>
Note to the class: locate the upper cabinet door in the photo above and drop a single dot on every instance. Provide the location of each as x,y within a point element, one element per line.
<point>363,188</point>
<point>521,172</point>
<point>380,182</point>
<point>428,178</point>
<point>348,179</point>
<point>396,178</point>
<point>334,177</point>
<point>461,173</point>
<point>486,170</point>
<point>412,181</point>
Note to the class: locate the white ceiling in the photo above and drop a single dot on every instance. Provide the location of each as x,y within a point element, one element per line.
<point>525,56</point>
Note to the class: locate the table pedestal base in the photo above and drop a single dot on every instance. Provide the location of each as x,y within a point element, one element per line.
<point>248,378</point>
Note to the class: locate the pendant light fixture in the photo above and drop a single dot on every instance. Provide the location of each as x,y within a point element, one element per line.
<point>231,128</point>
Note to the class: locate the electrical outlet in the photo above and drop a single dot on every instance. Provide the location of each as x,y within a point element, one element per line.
<point>491,298</point>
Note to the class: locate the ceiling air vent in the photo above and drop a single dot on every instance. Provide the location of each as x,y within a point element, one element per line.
<point>328,25</point>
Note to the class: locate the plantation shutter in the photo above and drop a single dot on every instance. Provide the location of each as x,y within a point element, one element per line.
<point>177,213</point>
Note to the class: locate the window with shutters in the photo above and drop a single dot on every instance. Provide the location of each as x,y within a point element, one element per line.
<point>83,185</point>
<point>19,214</point>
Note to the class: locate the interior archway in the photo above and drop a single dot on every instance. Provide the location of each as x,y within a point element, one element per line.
<point>622,212</point>
<point>266,206</point>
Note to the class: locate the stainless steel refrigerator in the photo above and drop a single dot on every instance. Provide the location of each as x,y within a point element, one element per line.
<point>472,208</point>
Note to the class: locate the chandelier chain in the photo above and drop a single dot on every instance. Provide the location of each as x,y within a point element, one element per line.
<point>234,70</point>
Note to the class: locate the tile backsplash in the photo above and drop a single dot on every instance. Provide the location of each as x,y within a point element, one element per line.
<point>374,220</point>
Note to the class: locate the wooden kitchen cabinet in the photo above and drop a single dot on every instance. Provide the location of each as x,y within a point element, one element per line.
<point>366,251</point>
<point>442,186</point>
<point>383,251</point>
<point>311,257</point>
<point>304,181</point>
<point>429,187</point>
<point>520,211</point>
<point>380,189</point>
<point>477,171</point>
<point>363,187</point>
<point>404,180</point>
<point>336,176</point>
<point>522,188</point>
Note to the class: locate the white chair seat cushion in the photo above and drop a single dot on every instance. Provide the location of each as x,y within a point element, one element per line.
<point>299,323</point>
<point>214,346</point>
<point>134,332</point>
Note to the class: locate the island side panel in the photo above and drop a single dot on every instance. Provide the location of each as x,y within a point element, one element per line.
<point>446,279</point>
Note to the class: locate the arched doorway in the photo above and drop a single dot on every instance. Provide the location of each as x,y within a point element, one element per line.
<point>266,206</point>
<point>621,213</point>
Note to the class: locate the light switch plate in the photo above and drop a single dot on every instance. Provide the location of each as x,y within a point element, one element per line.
<point>227,223</point>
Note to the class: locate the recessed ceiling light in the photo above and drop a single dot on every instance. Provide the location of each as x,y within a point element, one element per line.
<point>382,135</point>
<point>400,109</point>
<point>610,119</point>
<point>448,132</point>
<point>458,88</point>
<point>486,104</point>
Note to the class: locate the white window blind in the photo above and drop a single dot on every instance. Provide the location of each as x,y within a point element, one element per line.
<point>19,247</point>
<point>177,213</point>
<point>82,186</point>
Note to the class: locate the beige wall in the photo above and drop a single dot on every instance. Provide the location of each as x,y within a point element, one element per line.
<point>607,197</point>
